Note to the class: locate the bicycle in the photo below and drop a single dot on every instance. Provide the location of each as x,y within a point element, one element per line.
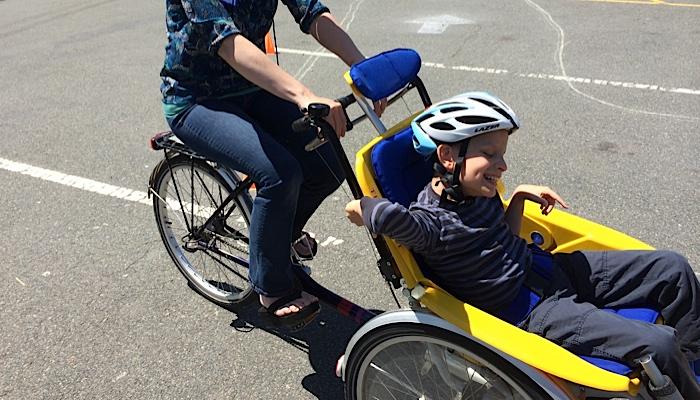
<point>437,348</point>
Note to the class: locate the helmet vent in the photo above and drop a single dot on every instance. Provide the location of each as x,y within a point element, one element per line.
<point>474,119</point>
<point>423,118</point>
<point>442,126</point>
<point>496,108</point>
<point>453,109</point>
<point>485,102</point>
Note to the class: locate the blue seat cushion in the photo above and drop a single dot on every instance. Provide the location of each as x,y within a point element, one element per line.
<point>400,172</point>
<point>386,73</point>
<point>639,314</point>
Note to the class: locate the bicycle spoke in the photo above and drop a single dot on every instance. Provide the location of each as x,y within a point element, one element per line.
<point>401,385</point>
<point>224,265</point>
<point>194,188</point>
<point>416,367</point>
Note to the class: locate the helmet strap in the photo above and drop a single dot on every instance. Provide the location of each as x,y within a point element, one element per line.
<point>452,191</point>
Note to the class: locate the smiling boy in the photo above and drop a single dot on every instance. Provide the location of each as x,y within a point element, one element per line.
<point>469,245</point>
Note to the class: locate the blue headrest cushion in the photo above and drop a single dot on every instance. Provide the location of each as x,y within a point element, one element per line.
<point>386,73</point>
<point>401,172</point>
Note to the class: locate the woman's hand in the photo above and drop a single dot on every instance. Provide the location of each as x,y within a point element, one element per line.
<point>336,116</point>
<point>546,197</point>
<point>380,106</point>
<point>353,210</point>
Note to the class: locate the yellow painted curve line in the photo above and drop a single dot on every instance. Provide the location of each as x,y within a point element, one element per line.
<point>648,3</point>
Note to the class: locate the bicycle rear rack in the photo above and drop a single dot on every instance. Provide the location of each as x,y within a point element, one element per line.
<point>169,142</point>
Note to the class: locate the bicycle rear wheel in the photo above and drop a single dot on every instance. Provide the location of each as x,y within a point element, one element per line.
<point>213,259</point>
<point>417,361</point>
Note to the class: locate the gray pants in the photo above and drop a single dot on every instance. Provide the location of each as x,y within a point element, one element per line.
<point>585,282</point>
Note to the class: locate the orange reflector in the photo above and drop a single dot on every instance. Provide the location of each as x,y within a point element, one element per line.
<point>269,44</point>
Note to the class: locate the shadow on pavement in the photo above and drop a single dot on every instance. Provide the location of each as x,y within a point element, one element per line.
<point>324,341</point>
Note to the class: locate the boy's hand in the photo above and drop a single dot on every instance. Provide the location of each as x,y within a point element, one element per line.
<point>353,211</point>
<point>546,197</point>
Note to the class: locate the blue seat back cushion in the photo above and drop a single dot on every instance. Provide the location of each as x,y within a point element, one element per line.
<point>384,74</point>
<point>401,174</point>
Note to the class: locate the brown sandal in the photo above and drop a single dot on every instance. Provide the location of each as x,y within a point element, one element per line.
<point>293,321</point>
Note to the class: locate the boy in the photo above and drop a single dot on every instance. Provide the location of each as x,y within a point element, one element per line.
<point>469,245</point>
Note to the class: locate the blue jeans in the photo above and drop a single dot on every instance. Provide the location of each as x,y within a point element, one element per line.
<point>252,134</point>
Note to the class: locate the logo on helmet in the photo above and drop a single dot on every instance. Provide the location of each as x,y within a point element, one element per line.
<point>486,128</point>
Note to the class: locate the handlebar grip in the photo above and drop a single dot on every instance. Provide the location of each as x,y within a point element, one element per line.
<point>345,101</point>
<point>303,124</point>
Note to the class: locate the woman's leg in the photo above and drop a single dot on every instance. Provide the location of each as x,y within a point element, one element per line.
<point>320,168</point>
<point>223,132</point>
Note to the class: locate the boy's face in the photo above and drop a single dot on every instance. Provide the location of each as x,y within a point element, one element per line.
<point>484,163</point>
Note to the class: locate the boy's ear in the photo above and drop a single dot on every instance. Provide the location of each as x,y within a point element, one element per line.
<point>446,157</point>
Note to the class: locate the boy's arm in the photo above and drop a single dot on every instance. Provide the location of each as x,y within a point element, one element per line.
<point>383,217</point>
<point>546,197</point>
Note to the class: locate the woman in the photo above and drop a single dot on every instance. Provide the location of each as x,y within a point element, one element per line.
<point>223,97</point>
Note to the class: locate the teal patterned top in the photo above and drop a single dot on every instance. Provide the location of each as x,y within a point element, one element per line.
<point>192,70</point>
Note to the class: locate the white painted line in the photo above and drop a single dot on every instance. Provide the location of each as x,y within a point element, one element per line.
<point>123,374</point>
<point>530,75</point>
<point>328,241</point>
<point>75,181</point>
<point>307,52</point>
<point>438,24</point>
<point>560,55</point>
<point>106,189</point>
<point>433,28</point>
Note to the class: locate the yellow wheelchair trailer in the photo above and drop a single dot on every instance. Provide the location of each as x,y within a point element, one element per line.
<point>439,347</point>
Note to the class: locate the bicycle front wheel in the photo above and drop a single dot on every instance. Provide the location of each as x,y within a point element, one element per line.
<point>415,361</point>
<point>212,256</point>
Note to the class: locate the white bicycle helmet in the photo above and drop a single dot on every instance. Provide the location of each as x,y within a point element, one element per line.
<point>456,120</point>
<point>460,118</point>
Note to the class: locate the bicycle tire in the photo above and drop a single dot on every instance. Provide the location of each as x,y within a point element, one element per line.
<point>200,190</point>
<point>419,361</point>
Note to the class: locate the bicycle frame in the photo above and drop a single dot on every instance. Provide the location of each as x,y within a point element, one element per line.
<point>386,263</point>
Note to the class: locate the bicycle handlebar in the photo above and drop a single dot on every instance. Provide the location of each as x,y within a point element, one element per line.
<point>314,117</point>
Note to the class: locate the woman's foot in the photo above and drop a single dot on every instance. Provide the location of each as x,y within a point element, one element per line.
<point>291,307</point>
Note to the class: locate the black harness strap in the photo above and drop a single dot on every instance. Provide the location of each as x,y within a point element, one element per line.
<point>450,180</point>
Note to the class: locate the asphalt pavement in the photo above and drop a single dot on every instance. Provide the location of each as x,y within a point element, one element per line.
<point>92,307</point>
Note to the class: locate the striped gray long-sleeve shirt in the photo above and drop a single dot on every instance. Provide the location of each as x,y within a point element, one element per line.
<point>468,250</point>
